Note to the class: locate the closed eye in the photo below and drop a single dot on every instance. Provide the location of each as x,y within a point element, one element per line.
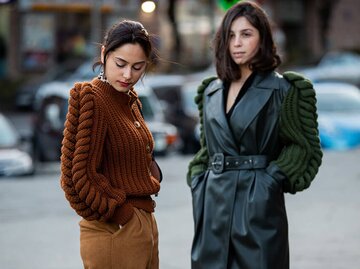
<point>137,68</point>
<point>120,65</point>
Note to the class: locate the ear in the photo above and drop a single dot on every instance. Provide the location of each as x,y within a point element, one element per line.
<point>102,54</point>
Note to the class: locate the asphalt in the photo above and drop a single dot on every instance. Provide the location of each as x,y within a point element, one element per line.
<point>39,230</point>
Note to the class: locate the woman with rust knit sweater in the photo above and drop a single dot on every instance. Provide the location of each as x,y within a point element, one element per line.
<point>107,154</point>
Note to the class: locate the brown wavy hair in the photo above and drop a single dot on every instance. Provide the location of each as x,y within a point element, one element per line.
<point>266,58</point>
<point>125,32</point>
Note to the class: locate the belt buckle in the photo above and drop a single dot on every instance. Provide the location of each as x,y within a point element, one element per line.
<point>218,163</point>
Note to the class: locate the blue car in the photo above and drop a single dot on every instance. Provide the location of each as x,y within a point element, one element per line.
<point>339,115</point>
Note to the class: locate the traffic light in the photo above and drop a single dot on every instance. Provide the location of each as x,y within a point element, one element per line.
<point>226,4</point>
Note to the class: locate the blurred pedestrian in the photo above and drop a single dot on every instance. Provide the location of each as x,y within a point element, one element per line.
<point>259,139</point>
<point>106,162</point>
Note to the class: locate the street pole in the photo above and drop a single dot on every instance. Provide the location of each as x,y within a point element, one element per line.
<point>96,20</point>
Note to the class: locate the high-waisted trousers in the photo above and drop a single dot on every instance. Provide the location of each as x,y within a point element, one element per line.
<point>133,246</point>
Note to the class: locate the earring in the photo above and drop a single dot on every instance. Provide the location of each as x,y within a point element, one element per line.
<point>102,76</point>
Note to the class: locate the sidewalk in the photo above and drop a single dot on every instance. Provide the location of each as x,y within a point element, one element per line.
<point>39,230</point>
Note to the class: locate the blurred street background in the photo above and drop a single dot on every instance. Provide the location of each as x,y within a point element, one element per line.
<point>45,46</point>
<point>39,230</point>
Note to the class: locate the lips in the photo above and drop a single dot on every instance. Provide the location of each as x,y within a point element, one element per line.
<point>238,54</point>
<point>124,84</point>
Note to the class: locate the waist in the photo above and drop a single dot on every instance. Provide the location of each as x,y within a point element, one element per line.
<point>219,163</point>
<point>146,203</point>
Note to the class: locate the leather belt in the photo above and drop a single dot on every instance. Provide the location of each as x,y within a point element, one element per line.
<point>219,163</point>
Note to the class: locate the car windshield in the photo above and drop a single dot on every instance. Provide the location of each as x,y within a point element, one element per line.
<point>337,102</point>
<point>83,73</point>
<point>8,137</point>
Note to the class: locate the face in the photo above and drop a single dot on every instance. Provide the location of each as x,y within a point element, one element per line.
<point>244,41</point>
<point>124,66</point>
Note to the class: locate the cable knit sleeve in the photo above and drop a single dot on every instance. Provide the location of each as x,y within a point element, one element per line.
<point>200,161</point>
<point>87,190</point>
<point>302,155</point>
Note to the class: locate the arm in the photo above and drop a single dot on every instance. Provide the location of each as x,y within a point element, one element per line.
<point>88,191</point>
<point>200,161</point>
<point>301,157</point>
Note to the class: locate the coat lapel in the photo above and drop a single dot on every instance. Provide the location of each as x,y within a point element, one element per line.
<point>215,114</point>
<point>245,110</point>
<point>216,104</point>
<point>252,102</point>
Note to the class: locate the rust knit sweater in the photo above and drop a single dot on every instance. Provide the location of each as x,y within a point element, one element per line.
<point>106,153</point>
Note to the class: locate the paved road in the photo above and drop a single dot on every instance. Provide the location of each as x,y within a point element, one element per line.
<point>39,230</point>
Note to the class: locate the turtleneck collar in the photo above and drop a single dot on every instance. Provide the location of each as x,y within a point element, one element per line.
<point>131,94</point>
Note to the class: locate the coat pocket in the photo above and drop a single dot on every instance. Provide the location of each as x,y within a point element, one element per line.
<point>198,185</point>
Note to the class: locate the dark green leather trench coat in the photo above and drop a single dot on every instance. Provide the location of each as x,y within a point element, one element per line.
<point>239,213</point>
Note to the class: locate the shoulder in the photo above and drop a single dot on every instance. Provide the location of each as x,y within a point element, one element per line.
<point>277,81</point>
<point>84,97</point>
<point>81,88</point>
<point>283,82</point>
<point>297,80</point>
<point>203,86</point>
<point>272,81</point>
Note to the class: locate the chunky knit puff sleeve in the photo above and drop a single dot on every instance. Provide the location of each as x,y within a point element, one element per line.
<point>92,198</point>
<point>301,156</point>
<point>201,160</point>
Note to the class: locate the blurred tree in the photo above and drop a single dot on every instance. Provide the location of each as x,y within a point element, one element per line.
<point>325,12</point>
<point>177,45</point>
<point>3,54</point>
<point>226,4</point>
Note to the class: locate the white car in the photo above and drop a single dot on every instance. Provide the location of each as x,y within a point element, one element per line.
<point>335,66</point>
<point>14,161</point>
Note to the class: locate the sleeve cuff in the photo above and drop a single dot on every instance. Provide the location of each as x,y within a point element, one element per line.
<point>122,214</point>
<point>274,171</point>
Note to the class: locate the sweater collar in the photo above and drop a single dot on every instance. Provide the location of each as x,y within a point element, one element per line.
<point>131,94</point>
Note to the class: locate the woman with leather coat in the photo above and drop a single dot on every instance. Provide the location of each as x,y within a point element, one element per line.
<point>259,140</point>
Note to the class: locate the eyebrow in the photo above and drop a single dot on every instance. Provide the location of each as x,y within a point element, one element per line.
<point>242,30</point>
<point>121,59</point>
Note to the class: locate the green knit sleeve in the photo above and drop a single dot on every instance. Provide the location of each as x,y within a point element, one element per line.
<point>301,158</point>
<point>200,161</point>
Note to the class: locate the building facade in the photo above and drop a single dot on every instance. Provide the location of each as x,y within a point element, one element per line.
<point>39,34</point>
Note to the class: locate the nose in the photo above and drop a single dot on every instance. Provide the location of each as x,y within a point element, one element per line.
<point>237,41</point>
<point>127,73</point>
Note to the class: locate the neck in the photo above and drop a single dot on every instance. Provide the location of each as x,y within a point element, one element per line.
<point>245,73</point>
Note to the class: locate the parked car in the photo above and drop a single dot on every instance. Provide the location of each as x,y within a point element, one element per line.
<point>339,115</point>
<point>49,125</point>
<point>52,106</point>
<point>178,102</point>
<point>25,95</point>
<point>335,66</point>
<point>165,134</point>
<point>14,160</point>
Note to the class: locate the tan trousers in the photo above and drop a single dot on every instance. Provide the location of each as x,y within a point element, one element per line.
<point>134,246</point>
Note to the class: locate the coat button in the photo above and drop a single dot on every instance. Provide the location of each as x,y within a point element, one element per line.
<point>137,124</point>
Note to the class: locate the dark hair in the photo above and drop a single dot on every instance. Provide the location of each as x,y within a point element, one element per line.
<point>124,32</point>
<point>266,58</point>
